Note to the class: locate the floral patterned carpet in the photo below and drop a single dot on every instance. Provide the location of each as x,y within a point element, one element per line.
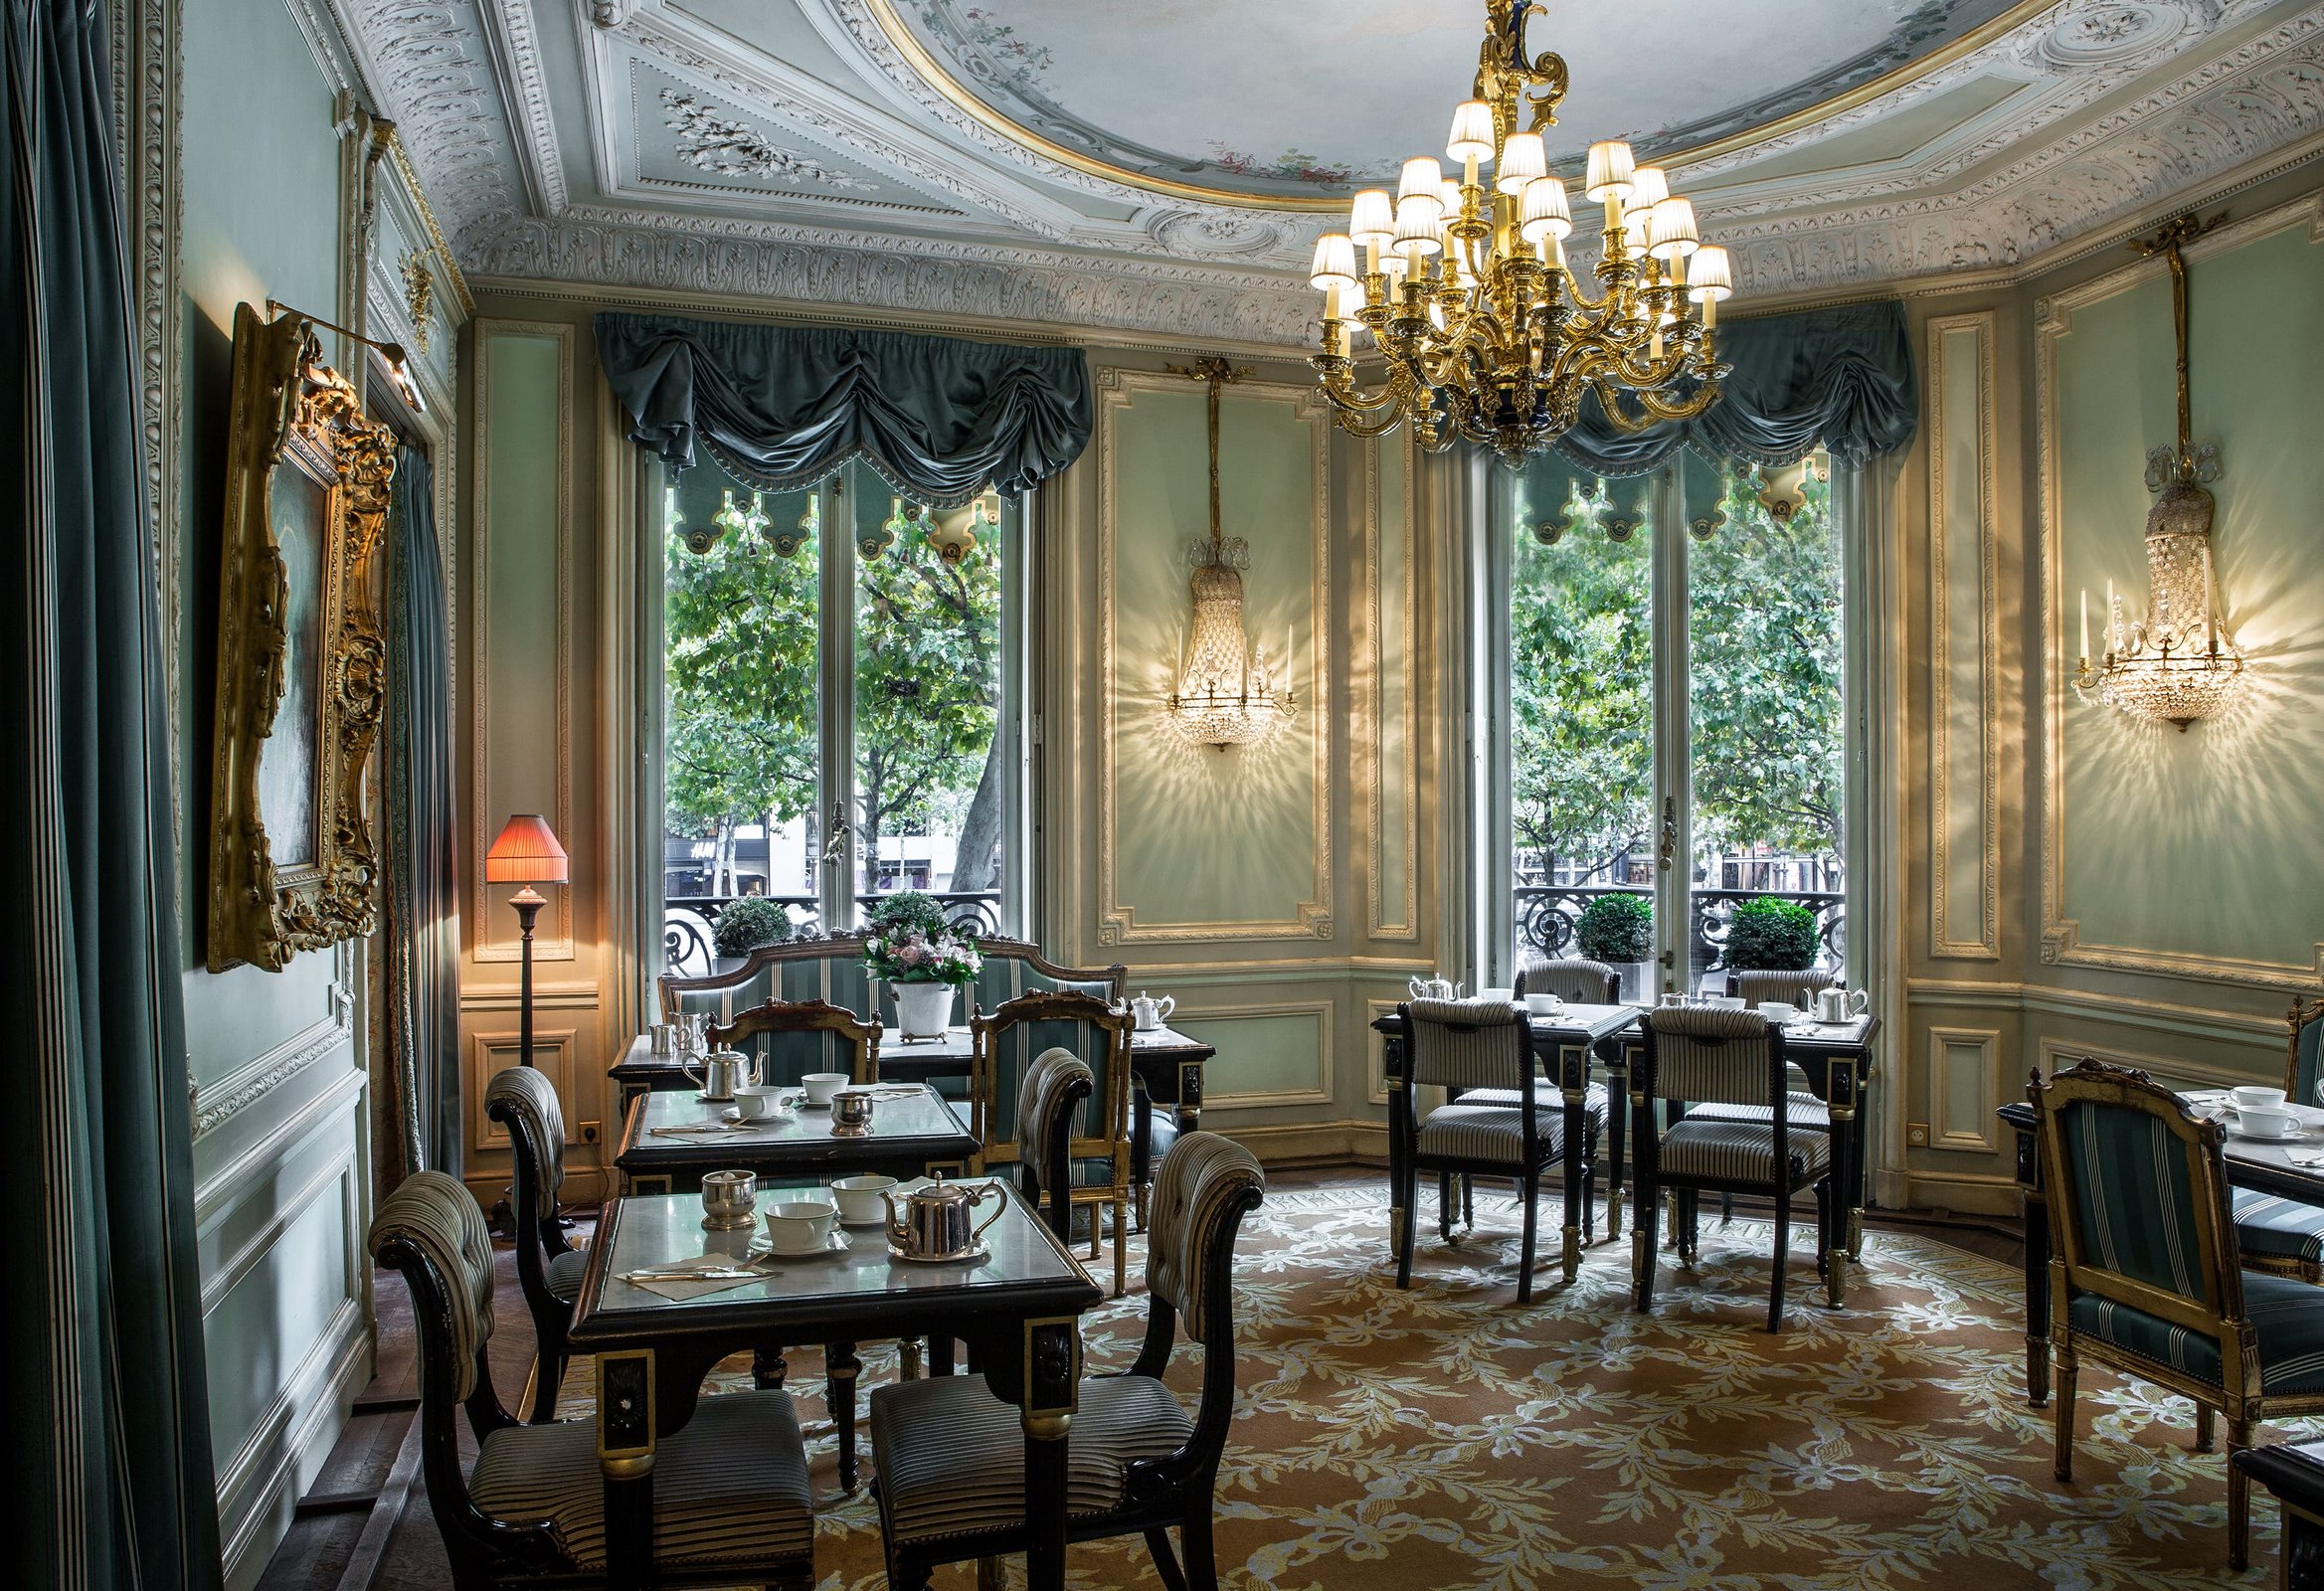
<point>1445,1437</point>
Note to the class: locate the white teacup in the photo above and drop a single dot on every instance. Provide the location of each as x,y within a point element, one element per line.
<point>1542,1004</point>
<point>2266,1121</point>
<point>1723,1003</point>
<point>860,1204</point>
<point>1497,993</point>
<point>800,1227</point>
<point>2252,1097</point>
<point>757,1103</point>
<point>821,1086</point>
<point>1778,1011</point>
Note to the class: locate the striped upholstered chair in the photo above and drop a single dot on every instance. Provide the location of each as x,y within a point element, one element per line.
<point>795,1037</point>
<point>1793,989</point>
<point>1005,1043</point>
<point>1698,1056</point>
<point>2283,1236</point>
<point>1046,1102</point>
<point>729,1493</point>
<point>548,1269</point>
<point>1571,978</point>
<point>1512,1125</point>
<point>2143,1274</point>
<point>952,1455</point>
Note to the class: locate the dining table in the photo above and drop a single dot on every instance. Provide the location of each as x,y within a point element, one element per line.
<point>2286,1169</point>
<point>669,1140</point>
<point>1575,1041</point>
<point>657,1335</point>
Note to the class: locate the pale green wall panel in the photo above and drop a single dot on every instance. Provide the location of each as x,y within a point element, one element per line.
<point>2202,843</point>
<point>520,485</point>
<point>1395,864</point>
<point>1962,646</point>
<point>1204,835</point>
<point>1271,1055</point>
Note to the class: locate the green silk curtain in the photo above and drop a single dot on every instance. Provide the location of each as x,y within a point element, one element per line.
<point>109,1480</point>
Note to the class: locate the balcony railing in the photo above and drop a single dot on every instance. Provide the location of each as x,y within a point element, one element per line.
<point>687,920</point>
<point>1547,915</point>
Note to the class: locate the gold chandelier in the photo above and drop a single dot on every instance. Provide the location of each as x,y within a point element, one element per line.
<point>1226,696</point>
<point>2174,666</point>
<point>1465,292</point>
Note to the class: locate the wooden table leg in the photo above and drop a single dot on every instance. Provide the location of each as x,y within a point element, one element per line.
<point>1573,1068</point>
<point>1842,1102</point>
<point>1617,1107</point>
<point>1053,1375</point>
<point>625,1448</point>
<point>840,1369</point>
<point>2036,1246</point>
<point>1398,1149</point>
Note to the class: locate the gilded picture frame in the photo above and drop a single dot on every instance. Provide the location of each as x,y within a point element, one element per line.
<point>300,658</point>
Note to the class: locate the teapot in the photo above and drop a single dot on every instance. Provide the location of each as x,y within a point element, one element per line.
<point>1150,1014</point>
<point>1837,1004</point>
<point>724,1070</point>
<point>936,1221</point>
<point>1433,988</point>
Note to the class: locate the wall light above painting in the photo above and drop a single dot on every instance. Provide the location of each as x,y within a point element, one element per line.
<point>2177,665</point>
<point>1226,695</point>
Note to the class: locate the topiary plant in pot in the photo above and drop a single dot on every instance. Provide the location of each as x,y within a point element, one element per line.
<point>745,925</point>
<point>1615,929</point>
<point>1771,935</point>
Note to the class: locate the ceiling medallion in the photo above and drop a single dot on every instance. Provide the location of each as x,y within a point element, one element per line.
<point>2175,667</point>
<point>1226,696</point>
<point>1466,290</point>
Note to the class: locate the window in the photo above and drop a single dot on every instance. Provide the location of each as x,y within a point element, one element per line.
<point>1674,672</point>
<point>838,702</point>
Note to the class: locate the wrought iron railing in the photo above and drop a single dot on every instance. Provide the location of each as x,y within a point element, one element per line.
<point>1546,915</point>
<point>689,922</point>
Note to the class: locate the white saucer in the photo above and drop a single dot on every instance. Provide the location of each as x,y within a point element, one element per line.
<point>761,1251</point>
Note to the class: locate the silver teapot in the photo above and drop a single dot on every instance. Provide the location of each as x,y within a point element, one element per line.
<point>937,1221</point>
<point>724,1070</point>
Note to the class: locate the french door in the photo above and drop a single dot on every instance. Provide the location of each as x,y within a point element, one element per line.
<point>1666,693</point>
<point>842,704</point>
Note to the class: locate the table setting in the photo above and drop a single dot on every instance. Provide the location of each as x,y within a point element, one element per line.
<point>2263,1116</point>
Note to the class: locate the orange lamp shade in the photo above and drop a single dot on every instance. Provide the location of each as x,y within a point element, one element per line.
<point>526,852</point>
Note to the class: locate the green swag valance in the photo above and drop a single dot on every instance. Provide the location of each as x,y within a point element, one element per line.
<point>781,406</point>
<point>1840,378</point>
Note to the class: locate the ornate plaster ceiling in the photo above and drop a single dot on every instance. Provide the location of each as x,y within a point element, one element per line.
<point>1086,166</point>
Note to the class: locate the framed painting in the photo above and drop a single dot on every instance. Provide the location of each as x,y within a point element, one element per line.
<point>301,658</point>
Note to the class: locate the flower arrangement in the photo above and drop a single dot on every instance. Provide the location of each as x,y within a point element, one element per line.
<point>916,956</point>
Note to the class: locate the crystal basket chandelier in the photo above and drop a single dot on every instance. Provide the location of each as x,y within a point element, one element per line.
<point>2175,667</point>
<point>1226,696</point>
<point>1465,289</point>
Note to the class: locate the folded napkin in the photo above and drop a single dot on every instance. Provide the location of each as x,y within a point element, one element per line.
<point>670,1280</point>
<point>737,1130</point>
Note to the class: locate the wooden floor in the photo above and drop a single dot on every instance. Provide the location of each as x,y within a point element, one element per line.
<point>346,1537</point>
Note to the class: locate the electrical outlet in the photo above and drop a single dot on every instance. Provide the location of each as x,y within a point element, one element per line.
<point>589,1130</point>
<point>1915,1133</point>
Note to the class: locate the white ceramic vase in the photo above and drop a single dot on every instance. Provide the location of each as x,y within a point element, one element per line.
<point>922,1010</point>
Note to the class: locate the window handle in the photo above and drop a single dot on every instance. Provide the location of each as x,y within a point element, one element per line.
<point>1666,850</point>
<point>836,848</point>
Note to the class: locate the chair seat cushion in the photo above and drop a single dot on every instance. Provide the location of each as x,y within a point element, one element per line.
<point>2287,1317</point>
<point>1740,1152</point>
<point>1490,1132</point>
<point>563,1274</point>
<point>1593,1101</point>
<point>1804,1109</point>
<point>952,1456</point>
<point>731,1488</point>
<point>2267,1227</point>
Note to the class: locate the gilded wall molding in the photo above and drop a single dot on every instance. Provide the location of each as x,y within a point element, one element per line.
<point>2062,939</point>
<point>219,1101</point>
<point>1983,1137</point>
<point>1319,1011</point>
<point>557,943</point>
<point>1985,637</point>
<point>1311,918</point>
<point>1399,919</point>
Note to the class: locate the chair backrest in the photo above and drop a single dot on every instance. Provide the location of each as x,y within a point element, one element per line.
<point>2138,1196</point>
<point>791,1038</point>
<point>1584,982</point>
<point>1712,1056</point>
<point>1007,1040</point>
<point>432,1229</point>
<point>1201,1191</point>
<point>1475,1043</point>
<point>827,970</point>
<point>1014,967</point>
<point>523,1099</point>
<point>1793,989</point>
<point>1047,1101</point>
<point>2304,1063</point>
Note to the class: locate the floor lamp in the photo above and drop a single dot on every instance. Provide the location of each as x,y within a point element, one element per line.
<point>525,854</point>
